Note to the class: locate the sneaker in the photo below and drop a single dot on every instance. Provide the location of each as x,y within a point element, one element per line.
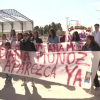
<point>97,88</point>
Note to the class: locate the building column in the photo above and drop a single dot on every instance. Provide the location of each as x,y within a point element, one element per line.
<point>32,26</point>
<point>12,25</point>
<point>2,27</point>
<point>22,26</point>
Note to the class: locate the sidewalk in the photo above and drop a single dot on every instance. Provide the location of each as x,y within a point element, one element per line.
<point>42,91</point>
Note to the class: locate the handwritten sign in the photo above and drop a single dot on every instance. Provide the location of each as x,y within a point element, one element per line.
<point>44,47</point>
<point>69,68</point>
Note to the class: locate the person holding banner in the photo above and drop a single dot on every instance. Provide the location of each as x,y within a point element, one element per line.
<point>91,45</point>
<point>63,38</point>
<point>97,33</point>
<point>30,33</point>
<point>19,36</point>
<point>13,35</point>
<point>69,37</point>
<point>27,45</point>
<point>52,36</point>
<point>4,37</point>
<point>8,76</point>
<point>97,37</point>
<point>76,37</point>
<point>36,38</point>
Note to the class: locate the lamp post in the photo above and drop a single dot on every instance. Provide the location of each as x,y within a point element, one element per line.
<point>67,21</point>
<point>66,28</point>
<point>43,31</point>
<point>43,34</point>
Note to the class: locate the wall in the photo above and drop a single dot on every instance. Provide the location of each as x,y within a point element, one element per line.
<point>17,26</point>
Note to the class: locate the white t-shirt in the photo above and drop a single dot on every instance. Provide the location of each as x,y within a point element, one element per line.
<point>97,37</point>
<point>34,41</point>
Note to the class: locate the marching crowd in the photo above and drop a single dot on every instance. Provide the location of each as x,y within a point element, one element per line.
<point>29,39</point>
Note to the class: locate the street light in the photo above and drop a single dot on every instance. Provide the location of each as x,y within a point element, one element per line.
<point>67,20</point>
<point>66,28</point>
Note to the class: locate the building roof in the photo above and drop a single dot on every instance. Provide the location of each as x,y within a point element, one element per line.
<point>11,15</point>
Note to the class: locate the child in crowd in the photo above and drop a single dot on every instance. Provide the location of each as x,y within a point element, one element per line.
<point>8,76</point>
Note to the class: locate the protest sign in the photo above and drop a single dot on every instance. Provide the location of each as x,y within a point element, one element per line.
<point>51,47</point>
<point>69,68</point>
<point>83,31</point>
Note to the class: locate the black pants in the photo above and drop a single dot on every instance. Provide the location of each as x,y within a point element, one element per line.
<point>96,81</point>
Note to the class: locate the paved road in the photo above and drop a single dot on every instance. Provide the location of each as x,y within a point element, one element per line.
<point>42,91</point>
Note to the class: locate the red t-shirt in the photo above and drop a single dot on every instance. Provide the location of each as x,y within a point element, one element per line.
<point>62,39</point>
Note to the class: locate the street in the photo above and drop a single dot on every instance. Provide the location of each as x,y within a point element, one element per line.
<point>42,91</point>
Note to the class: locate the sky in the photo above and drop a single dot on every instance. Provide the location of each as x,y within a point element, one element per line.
<point>44,12</point>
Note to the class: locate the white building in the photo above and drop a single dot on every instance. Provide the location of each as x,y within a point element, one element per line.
<point>12,19</point>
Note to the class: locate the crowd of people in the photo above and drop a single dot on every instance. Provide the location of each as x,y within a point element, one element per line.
<point>29,39</point>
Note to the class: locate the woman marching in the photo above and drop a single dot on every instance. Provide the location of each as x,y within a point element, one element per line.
<point>52,36</point>
<point>91,45</point>
<point>76,37</point>
<point>36,38</point>
<point>13,35</point>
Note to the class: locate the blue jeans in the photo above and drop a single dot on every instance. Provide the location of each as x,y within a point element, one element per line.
<point>8,77</point>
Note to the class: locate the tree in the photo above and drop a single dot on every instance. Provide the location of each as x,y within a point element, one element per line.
<point>49,26</point>
<point>46,28</point>
<point>58,25</point>
<point>54,26</point>
<point>36,28</point>
<point>58,32</point>
<point>43,30</point>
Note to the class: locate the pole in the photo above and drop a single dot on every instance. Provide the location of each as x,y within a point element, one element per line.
<point>67,28</point>
<point>43,34</point>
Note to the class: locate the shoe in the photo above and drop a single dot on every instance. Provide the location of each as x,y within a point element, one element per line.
<point>97,88</point>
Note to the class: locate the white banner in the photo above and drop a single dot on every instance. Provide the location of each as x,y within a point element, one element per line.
<point>69,68</point>
<point>51,47</point>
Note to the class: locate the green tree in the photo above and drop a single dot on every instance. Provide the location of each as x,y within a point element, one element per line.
<point>59,27</point>
<point>43,30</point>
<point>46,28</point>
<point>58,32</point>
<point>54,26</point>
<point>37,28</point>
